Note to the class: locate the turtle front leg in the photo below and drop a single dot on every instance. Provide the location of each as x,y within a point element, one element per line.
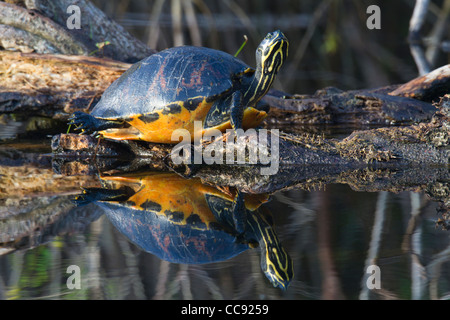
<point>89,124</point>
<point>239,213</point>
<point>236,111</point>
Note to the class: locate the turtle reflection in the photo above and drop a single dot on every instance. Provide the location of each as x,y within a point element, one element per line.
<point>185,221</point>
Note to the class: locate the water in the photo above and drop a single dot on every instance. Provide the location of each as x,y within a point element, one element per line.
<point>333,236</point>
<point>336,235</point>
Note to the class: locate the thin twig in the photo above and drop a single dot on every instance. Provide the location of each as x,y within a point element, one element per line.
<point>417,269</point>
<point>301,49</point>
<point>434,40</point>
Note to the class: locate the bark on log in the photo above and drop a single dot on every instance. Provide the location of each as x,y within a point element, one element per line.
<point>53,85</point>
<point>42,26</point>
<point>358,107</point>
<point>398,104</point>
<point>427,87</point>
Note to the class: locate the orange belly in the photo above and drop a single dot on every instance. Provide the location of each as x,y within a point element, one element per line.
<point>162,129</point>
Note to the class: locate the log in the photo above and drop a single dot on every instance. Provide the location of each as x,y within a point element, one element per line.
<point>395,104</point>
<point>355,107</point>
<point>56,86</point>
<point>427,87</point>
<point>53,85</point>
<point>305,156</point>
<point>42,26</point>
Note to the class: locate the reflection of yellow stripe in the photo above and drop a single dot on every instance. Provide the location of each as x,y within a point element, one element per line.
<point>268,236</point>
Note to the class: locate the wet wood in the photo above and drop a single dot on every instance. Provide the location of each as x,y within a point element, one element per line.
<point>83,155</point>
<point>34,219</point>
<point>25,174</point>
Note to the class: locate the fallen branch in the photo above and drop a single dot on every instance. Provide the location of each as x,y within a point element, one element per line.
<point>41,26</point>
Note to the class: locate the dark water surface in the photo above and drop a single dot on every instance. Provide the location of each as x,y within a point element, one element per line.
<point>336,237</point>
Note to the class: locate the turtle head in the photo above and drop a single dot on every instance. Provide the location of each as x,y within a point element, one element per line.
<point>270,55</point>
<point>272,52</point>
<point>275,261</point>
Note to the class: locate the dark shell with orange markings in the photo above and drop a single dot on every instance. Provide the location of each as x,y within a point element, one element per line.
<point>191,242</point>
<point>168,81</point>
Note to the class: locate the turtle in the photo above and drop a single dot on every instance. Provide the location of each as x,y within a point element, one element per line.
<point>181,86</point>
<point>185,221</point>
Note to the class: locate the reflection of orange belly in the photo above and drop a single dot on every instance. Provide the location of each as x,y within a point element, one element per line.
<point>161,130</point>
<point>177,198</point>
<point>172,194</point>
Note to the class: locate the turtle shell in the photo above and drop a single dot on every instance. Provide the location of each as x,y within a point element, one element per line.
<point>171,89</point>
<point>177,243</point>
<point>177,225</point>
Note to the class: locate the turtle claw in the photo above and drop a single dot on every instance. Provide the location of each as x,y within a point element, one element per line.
<point>84,198</point>
<point>95,134</point>
<point>84,122</point>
